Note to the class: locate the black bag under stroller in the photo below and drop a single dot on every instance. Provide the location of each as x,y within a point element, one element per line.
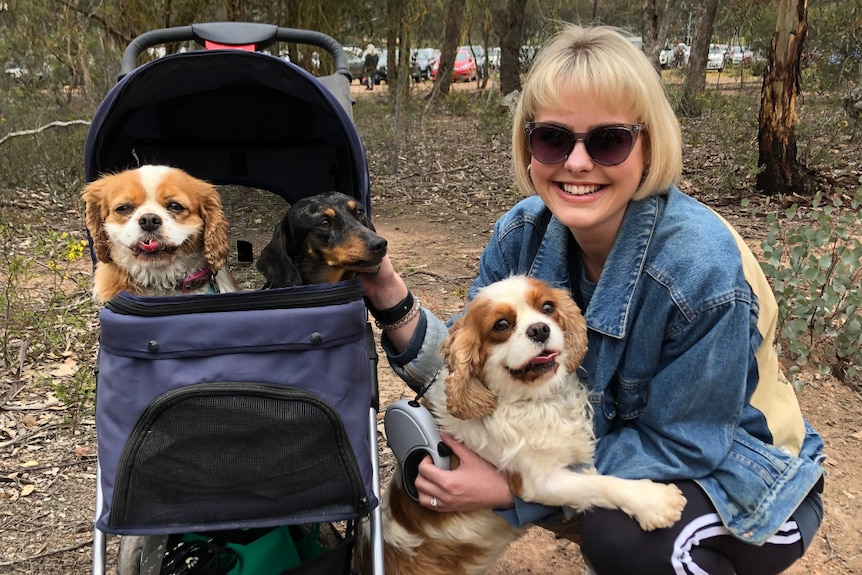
<point>245,411</point>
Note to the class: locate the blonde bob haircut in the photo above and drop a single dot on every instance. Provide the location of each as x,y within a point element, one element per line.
<point>602,62</point>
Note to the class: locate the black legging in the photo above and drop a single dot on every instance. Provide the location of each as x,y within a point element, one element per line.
<point>698,544</point>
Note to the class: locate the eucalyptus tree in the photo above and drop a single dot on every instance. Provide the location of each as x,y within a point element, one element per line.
<point>694,82</point>
<point>777,155</point>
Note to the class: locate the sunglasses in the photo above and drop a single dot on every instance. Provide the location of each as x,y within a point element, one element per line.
<point>606,145</point>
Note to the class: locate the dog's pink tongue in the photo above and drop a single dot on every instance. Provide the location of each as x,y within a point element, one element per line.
<point>544,358</point>
<point>149,246</point>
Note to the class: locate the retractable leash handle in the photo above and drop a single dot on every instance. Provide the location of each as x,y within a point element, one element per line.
<point>412,434</point>
<point>240,35</point>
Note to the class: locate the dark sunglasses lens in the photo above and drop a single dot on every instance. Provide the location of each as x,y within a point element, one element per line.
<point>610,146</point>
<point>551,145</point>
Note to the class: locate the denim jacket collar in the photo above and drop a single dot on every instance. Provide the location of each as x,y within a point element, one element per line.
<point>619,278</point>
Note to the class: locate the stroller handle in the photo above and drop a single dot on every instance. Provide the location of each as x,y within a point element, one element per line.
<point>233,34</point>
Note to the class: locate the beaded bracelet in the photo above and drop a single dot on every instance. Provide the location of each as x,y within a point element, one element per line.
<point>413,312</point>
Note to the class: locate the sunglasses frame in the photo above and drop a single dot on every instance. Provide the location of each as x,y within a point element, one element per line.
<point>633,129</point>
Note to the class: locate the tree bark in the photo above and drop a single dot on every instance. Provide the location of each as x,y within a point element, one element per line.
<point>776,135</point>
<point>510,47</point>
<point>451,34</point>
<point>693,85</point>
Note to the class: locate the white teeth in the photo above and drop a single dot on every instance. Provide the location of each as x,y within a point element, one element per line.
<point>579,190</point>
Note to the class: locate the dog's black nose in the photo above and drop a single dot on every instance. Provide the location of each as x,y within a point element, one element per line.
<point>378,245</point>
<point>539,332</point>
<point>150,222</point>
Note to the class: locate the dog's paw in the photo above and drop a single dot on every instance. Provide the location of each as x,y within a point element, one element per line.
<point>660,505</point>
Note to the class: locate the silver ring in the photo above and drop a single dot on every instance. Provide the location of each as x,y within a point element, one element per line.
<point>434,502</point>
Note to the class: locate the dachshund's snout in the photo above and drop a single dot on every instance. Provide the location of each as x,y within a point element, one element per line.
<point>377,245</point>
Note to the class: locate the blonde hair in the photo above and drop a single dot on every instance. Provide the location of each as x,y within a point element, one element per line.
<point>602,62</point>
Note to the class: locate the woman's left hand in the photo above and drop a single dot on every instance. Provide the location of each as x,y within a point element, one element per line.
<point>475,484</point>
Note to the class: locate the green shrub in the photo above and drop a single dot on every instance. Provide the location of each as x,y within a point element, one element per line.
<point>814,260</point>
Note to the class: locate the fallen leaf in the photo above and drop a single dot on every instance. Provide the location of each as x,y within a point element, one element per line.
<point>68,367</point>
<point>27,490</point>
<point>82,451</point>
<point>31,463</point>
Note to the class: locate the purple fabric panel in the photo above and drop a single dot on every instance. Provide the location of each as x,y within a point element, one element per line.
<point>321,350</point>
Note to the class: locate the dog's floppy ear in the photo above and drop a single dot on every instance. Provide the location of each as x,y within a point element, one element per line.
<point>574,327</point>
<point>274,263</point>
<point>216,227</point>
<point>466,396</point>
<point>93,195</point>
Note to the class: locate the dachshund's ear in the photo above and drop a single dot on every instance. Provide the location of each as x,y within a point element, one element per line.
<point>216,227</point>
<point>93,197</point>
<point>575,328</point>
<point>467,397</point>
<point>274,263</point>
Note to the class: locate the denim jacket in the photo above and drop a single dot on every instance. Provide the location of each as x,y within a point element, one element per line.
<point>682,372</point>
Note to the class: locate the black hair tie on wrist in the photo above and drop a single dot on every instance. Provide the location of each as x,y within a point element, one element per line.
<point>393,314</point>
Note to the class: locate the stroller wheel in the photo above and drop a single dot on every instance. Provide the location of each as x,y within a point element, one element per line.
<point>141,554</point>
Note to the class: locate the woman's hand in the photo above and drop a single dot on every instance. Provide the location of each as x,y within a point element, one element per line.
<point>385,289</point>
<point>474,485</point>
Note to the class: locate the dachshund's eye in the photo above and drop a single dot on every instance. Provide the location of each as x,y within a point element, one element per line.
<point>324,223</point>
<point>124,209</point>
<point>502,325</point>
<point>175,207</point>
<point>548,308</point>
<point>360,214</point>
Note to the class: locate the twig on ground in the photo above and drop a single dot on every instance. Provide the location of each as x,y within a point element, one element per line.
<point>47,554</point>
<point>438,276</point>
<point>54,124</point>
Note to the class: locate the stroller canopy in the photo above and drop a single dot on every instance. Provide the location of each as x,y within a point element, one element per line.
<point>230,117</point>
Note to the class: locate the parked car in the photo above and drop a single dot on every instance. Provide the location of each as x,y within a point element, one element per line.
<point>667,56</point>
<point>382,74</point>
<point>355,61</point>
<point>715,57</point>
<point>421,62</point>
<point>465,67</point>
<point>478,52</point>
<point>740,55</point>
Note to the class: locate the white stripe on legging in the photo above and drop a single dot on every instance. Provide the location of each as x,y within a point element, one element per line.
<point>707,526</point>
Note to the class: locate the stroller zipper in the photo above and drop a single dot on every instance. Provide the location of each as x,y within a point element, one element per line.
<point>284,298</point>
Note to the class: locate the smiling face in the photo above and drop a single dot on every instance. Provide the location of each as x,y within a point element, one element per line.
<point>149,216</point>
<point>154,225</point>
<point>518,338</point>
<point>587,197</point>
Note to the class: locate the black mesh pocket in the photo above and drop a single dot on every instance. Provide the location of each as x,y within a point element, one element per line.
<point>239,454</point>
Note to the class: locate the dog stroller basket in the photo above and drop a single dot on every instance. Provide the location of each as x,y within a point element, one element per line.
<point>245,411</point>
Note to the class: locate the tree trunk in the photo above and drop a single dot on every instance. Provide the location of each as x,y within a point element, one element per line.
<point>235,11</point>
<point>776,135</point>
<point>510,47</point>
<point>451,34</point>
<point>690,104</point>
<point>649,21</point>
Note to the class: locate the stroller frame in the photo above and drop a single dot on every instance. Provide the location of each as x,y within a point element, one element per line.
<point>280,130</point>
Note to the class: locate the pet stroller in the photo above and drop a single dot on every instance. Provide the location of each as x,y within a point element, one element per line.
<point>249,412</point>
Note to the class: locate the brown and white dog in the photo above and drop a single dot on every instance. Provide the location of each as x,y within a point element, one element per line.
<point>157,231</point>
<point>510,394</point>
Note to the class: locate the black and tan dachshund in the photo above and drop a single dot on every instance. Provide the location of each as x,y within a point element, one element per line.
<point>325,238</point>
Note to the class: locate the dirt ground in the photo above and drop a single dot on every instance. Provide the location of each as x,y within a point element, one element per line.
<point>437,214</point>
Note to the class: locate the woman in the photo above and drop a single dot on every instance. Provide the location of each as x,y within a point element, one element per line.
<point>683,376</point>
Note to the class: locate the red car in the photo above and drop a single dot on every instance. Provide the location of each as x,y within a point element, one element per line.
<point>465,67</point>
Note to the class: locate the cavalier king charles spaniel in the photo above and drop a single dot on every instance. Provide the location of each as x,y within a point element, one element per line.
<point>510,393</point>
<point>157,231</point>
